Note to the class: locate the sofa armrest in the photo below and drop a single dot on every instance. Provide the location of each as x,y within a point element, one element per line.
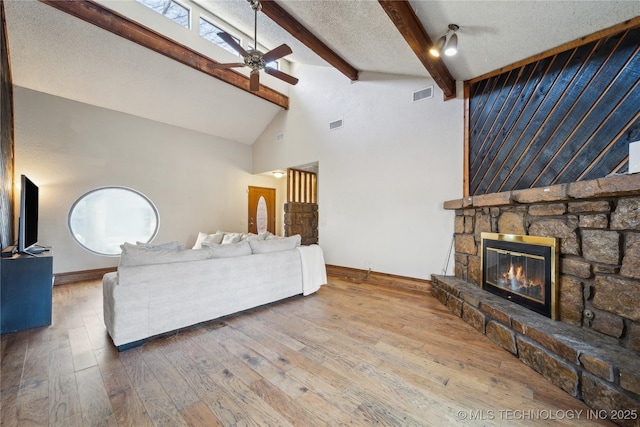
<point>126,310</point>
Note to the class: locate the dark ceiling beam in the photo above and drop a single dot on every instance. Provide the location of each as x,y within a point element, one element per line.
<point>115,23</point>
<point>405,19</point>
<point>295,28</point>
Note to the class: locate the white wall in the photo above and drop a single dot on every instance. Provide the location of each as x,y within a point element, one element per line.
<point>383,177</point>
<point>197,182</point>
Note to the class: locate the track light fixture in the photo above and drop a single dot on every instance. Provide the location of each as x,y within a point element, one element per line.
<point>447,43</point>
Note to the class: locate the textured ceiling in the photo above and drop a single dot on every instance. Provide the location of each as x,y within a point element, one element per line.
<point>58,54</point>
<point>55,53</point>
<point>492,34</point>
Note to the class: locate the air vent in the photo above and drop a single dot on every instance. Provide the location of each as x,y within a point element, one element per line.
<point>280,137</point>
<point>335,125</point>
<point>421,94</point>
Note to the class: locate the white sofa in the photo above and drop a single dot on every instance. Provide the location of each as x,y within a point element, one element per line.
<point>157,291</point>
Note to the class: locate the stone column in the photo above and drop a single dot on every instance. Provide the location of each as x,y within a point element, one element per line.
<point>301,218</point>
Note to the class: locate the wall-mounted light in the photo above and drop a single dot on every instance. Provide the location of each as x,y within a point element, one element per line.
<point>447,43</point>
<point>278,174</point>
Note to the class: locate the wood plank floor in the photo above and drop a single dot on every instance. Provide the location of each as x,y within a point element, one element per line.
<point>353,353</point>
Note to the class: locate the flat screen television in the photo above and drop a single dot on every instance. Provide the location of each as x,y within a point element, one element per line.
<point>28,222</point>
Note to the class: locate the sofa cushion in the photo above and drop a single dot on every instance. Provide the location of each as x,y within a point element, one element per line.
<point>175,246</point>
<point>139,255</point>
<point>275,245</point>
<point>253,236</point>
<point>228,250</point>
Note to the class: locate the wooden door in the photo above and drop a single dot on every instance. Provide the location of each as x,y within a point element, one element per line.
<point>262,210</point>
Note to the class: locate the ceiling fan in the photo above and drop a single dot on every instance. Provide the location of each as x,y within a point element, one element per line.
<point>255,59</point>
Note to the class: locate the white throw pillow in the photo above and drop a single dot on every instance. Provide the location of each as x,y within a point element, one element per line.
<point>231,238</point>
<point>213,239</point>
<point>275,245</point>
<point>202,236</point>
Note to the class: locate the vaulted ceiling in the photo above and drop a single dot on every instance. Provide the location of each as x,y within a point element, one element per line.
<point>61,55</point>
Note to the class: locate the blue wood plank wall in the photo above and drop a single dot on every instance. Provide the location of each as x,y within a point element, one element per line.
<point>565,118</point>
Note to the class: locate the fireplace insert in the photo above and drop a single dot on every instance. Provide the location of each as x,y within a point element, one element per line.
<point>522,269</point>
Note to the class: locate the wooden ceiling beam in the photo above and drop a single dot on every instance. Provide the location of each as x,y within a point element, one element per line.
<point>405,19</point>
<point>115,23</point>
<point>297,30</point>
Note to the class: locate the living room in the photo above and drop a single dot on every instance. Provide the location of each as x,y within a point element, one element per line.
<point>383,176</point>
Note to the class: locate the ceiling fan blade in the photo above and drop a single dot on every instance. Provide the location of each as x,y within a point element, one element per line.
<point>233,43</point>
<point>280,75</point>
<point>254,81</point>
<point>216,65</point>
<point>277,53</point>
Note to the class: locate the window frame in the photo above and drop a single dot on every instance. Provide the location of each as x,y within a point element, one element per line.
<point>217,25</point>
<point>180,4</point>
<point>111,187</point>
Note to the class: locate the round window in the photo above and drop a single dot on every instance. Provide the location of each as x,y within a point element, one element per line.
<point>103,219</point>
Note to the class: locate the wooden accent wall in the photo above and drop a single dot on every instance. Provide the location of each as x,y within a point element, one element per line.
<point>301,186</point>
<point>566,117</point>
<point>6,139</point>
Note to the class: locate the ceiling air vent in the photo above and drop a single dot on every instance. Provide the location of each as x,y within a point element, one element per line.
<point>280,137</point>
<point>335,125</point>
<point>421,94</point>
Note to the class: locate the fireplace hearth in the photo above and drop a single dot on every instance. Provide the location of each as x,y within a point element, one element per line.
<point>522,269</point>
<point>592,350</point>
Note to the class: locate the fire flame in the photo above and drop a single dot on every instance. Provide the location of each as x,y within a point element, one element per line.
<point>517,276</point>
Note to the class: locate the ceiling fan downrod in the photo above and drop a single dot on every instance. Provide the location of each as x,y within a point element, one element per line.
<point>256,6</point>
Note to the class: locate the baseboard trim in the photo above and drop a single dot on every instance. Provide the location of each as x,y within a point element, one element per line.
<point>80,276</point>
<point>377,278</point>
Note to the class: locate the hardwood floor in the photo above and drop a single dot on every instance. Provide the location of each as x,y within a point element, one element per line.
<point>353,353</point>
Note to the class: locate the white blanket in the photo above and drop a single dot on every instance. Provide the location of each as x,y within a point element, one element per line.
<point>314,272</point>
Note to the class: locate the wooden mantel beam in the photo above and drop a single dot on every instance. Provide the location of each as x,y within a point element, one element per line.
<point>405,19</point>
<point>115,23</point>
<point>297,30</point>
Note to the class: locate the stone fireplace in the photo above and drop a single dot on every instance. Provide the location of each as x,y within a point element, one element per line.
<point>521,269</point>
<point>593,351</point>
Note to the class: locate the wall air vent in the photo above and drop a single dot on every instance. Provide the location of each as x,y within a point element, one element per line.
<point>280,137</point>
<point>336,125</point>
<point>421,94</point>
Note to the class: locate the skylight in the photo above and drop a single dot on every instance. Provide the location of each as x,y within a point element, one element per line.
<point>171,9</point>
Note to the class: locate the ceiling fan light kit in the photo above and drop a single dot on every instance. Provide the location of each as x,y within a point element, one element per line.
<point>255,59</point>
<point>447,43</point>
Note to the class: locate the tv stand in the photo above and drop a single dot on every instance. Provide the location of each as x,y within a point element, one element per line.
<point>34,250</point>
<point>25,291</point>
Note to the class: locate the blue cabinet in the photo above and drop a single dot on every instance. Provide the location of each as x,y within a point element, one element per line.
<point>25,291</point>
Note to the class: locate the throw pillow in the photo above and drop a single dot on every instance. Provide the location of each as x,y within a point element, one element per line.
<point>275,245</point>
<point>202,236</point>
<point>231,238</point>
<point>213,239</point>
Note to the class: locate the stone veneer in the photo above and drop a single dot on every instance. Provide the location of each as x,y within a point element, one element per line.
<point>577,360</point>
<point>598,224</point>
<point>302,219</point>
